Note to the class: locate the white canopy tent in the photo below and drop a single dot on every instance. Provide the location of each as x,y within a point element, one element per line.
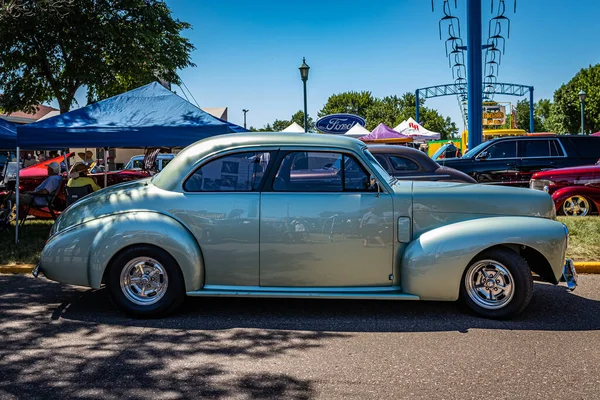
<point>357,131</point>
<point>294,127</point>
<point>412,128</point>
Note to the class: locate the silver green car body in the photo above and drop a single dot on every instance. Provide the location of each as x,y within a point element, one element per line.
<point>233,243</point>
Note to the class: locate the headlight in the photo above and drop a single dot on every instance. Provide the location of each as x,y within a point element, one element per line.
<point>540,184</point>
<point>566,233</point>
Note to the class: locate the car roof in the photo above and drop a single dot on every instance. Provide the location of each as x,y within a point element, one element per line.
<point>191,155</point>
<point>541,137</point>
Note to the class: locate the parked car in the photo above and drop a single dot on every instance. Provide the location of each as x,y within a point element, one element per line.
<point>277,231</point>
<point>575,190</point>
<point>137,162</point>
<point>409,164</point>
<point>32,176</point>
<point>513,160</point>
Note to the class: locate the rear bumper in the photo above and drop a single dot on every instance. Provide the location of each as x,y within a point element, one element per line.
<point>569,274</point>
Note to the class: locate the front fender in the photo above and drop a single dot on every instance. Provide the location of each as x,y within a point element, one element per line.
<point>564,193</point>
<point>433,265</point>
<point>80,255</point>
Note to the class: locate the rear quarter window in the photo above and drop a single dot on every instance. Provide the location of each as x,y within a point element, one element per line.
<point>586,147</point>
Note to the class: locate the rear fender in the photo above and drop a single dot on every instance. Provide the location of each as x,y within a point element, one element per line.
<point>120,231</point>
<point>433,264</point>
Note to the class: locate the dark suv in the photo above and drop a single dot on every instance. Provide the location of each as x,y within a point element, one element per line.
<point>513,160</point>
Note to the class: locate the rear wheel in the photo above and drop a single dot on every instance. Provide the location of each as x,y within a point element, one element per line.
<point>145,281</point>
<point>576,206</point>
<point>497,284</point>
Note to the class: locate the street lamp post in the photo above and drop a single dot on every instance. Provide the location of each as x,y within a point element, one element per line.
<point>245,111</point>
<point>304,76</point>
<point>582,95</point>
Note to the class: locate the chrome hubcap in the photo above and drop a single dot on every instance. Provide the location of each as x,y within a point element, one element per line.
<point>489,284</point>
<point>144,281</point>
<point>576,206</point>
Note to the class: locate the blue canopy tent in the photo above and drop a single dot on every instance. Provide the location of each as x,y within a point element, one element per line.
<point>8,135</point>
<point>149,116</point>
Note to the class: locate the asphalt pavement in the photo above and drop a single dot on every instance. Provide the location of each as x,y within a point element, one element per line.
<point>60,341</point>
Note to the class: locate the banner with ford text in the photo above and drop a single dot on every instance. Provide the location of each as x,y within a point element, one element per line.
<point>339,124</point>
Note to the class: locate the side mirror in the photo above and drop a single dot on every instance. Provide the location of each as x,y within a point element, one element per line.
<point>374,185</point>
<point>483,155</point>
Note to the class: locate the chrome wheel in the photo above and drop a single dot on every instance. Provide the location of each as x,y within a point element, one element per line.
<point>144,281</point>
<point>489,284</point>
<point>576,206</point>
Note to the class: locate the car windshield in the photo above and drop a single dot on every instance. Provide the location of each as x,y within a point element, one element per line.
<point>439,152</point>
<point>379,168</point>
<point>475,150</point>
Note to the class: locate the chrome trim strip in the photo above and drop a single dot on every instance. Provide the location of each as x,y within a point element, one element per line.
<point>360,289</point>
<point>402,177</point>
<point>293,294</point>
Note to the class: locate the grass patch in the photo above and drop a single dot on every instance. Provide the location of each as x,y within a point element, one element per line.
<point>585,238</point>
<point>584,244</point>
<point>32,238</point>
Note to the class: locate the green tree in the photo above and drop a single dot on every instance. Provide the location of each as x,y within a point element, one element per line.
<point>522,114</point>
<point>298,118</point>
<point>356,103</point>
<point>280,124</point>
<point>106,46</point>
<point>565,116</point>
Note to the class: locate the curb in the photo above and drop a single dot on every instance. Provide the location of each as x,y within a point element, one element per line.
<point>581,267</point>
<point>587,267</point>
<point>16,269</point>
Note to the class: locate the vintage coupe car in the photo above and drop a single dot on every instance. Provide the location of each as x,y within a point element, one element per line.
<point>575,191</point>
<point>243,215</point>
<point>406,163</point>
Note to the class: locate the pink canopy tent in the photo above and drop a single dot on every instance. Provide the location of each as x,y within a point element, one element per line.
<point>384,134</point>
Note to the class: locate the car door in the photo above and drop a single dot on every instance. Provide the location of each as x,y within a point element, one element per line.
<point>537,155</point>
<point>498,163</point>
<point>222,211</point>
<point>322,225</point>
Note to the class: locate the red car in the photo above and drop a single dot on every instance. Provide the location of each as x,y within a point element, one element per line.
<point>575,190</point>
<point>32,176</point>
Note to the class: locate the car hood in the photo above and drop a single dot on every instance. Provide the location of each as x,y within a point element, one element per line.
<point>459,198</point>
<point>566,172</point>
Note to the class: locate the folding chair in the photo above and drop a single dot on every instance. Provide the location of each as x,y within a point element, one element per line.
<point>48,207</point>
<point>76,193</point>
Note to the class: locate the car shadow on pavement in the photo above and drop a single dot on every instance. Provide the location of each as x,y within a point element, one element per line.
<point>553,308</point>
<point>46,354</point>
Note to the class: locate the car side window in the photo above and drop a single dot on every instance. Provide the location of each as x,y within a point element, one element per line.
<point>536,148</point>
<point>555,149</point>
<point>320,172</point>
<point>403,164</point>
<point>381,160</point>
<point>240,172</point>
<point>504,149</point>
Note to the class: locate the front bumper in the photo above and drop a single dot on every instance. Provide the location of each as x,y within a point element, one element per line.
<point>569,274</point>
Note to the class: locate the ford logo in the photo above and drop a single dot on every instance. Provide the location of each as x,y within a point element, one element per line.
<point>339,123</point>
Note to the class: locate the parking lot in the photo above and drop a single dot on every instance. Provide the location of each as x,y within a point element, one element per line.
<point>61,341</point>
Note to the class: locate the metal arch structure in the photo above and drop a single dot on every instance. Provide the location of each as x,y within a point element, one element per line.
<point>453,89</point>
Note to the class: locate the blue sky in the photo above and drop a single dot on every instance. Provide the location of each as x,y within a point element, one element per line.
<point>248,52</point>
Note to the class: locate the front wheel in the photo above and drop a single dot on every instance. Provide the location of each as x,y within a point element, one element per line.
<point>497,284</point>
<point>145,281</point>
<point>576,206</point>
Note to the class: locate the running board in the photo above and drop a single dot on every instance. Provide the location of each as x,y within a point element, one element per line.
<point>390,295</point>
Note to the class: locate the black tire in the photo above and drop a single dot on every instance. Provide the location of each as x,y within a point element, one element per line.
<point>174,293</point>
<point>522,281</point>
